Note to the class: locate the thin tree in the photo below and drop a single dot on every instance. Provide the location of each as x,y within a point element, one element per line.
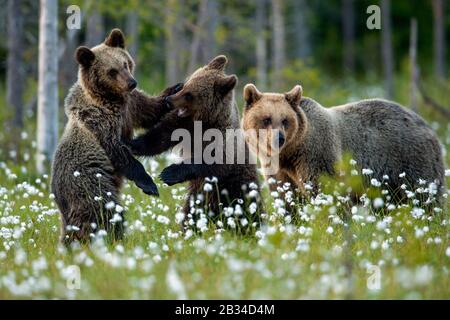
<point>439,38</point>
<point>278,34</point>
<point>132,32</point>
<point>414,78</point>
<point>386,48</point>
<point>15,65</point>
<point>203,40</point>
<point>261,44</point>
<point>95,32</point>
<point>67,64</point>
<point>172,42</point>
<point>302,39</point>
<point>348,32</point>
<point>47,120</point>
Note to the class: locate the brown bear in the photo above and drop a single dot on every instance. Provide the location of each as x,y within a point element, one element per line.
<point>103,107</point>
<point>207,97</point>
<point>394,144</point>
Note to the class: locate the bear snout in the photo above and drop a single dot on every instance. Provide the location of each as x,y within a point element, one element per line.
<point>132,84</point>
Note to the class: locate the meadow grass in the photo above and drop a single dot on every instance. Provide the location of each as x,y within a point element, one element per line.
<point>328,248</point>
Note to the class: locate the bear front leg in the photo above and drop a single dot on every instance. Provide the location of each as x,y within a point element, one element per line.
<point>145,111</point>
<point>158,139</point>
<point>178,173</point>
<point>135,171</point>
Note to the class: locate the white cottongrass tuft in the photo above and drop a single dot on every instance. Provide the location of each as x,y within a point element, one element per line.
<point>378,203</point>
<point>207,187</point>
<point>110,205</point>
<point>375,182</point>
<point>174,282</point>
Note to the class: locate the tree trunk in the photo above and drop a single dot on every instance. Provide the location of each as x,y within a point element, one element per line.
<point>413,65</point>
<point>15,66</point>
<point>439,38</point>
<point>172,42</point>
<point>278,44</point>
<point>197,35</point>
<point>95,33</point>
<point>209,43</point>
<point>47,126</point>
<point>386,44</point>
<point>348,32</point>
<point>203,41</point>
<point>67,65</point>
<point>132,33</point>
<point>261,44</point>
<point>301,34</point>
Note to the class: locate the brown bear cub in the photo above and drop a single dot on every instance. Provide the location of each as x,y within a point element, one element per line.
<point>103,107</point>
<point>394,143</point>
<point>206,100</point>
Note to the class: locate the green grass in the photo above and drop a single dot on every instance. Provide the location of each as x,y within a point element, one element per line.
<point>318,254</point>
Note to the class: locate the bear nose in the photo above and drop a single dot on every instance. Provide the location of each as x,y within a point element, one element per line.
<point>132,84</point>
<point>281,139</point>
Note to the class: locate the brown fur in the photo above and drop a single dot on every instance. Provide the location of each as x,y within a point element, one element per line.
<point>102,110</point>
<point>381,135</point>
<point>207,96</point>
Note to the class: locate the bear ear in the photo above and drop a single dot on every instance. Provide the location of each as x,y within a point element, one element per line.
<point>115,39</point>
<point>251,94</point>
<point>218,63</point>
<point>226,84</point>
<point>294,96</point>
<point>84,56</point>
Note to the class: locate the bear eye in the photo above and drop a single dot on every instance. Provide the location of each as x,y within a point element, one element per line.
<point>125,65</point>
<point>112,73</point>
<point>267,121</point>
<point>188,96</point>
<point>285,122</point>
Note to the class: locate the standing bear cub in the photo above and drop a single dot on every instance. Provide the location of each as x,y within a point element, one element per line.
<point>309,139</point>
<point>103,107</point>
<point>205,105</point>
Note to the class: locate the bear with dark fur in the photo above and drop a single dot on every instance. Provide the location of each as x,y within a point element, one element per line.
<point>103,107</point>
<point>207,97</point>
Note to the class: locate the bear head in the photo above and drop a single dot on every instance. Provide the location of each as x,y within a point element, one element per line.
<point>206,93</point>
<point>106,70</point>
<point>272,121</point>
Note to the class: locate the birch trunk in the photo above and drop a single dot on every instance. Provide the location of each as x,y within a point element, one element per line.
<point>47,120</point>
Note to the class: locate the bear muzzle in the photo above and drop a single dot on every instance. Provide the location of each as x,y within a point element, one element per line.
<point>132,84</point>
